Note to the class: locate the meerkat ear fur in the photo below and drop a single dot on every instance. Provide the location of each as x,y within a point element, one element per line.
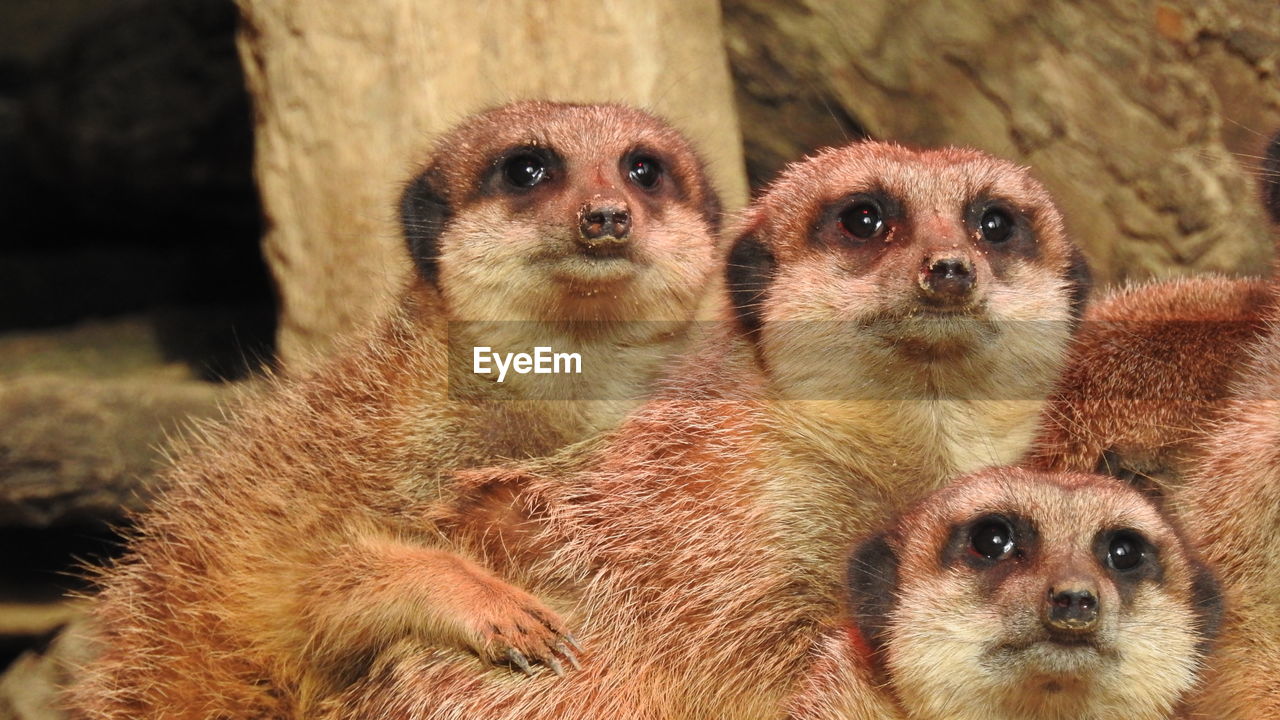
<point>712,210</point>
<point>1206,593</point>
<point>424,212</point>
<point>1081,280</point>
<point>872,583</point>
<point>748,275</point>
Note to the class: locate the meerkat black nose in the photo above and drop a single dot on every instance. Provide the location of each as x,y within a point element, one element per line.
<point>947,278</point>
<point>1073,608</point>
<point>604,223</point>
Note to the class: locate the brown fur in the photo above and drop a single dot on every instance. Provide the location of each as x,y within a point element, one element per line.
<point>1227,497</point>
<point>941,633</point>
<point>1231,503</point>
<point>696,551</point>
<point>1149,369</point>
<point>235,598</point>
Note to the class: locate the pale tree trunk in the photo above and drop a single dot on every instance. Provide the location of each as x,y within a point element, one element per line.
<point>349,94</point>
<point>1140,116</point>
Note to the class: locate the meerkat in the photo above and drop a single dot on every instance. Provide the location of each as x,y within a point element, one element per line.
<point>1151,367</point>
<point>1230,502</point>
<point>1015,594</point>
<point>587,228</point>
<point>897,316</point>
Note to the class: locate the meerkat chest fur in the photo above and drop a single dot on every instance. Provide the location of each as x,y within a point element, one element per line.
<point>577,379</point>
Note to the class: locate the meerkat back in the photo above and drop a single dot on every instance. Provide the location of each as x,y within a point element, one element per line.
<point>1152,367</point>
<point>588,229</point>
<point>1019,595</point>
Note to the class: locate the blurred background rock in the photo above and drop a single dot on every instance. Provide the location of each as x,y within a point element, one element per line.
<point>145,273</point>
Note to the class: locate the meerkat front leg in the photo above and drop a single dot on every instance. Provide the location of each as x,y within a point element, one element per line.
<point>380,589</point>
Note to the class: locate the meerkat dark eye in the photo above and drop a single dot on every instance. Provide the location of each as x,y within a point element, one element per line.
<point>1125,551</point>
<point>862,220</point>
<point>524,170</point>
<point>991,538</point>
<point>996,225</point>
<point>645,172</point>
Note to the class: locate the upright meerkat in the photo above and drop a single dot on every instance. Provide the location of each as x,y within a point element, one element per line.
<point>585,228</point>
<point>1231,503</point>
<point>1151,367</point>
<point>898,316</point>
<point>1015,594</point>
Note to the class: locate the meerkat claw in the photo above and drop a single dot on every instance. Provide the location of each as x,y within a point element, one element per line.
<point>520,661</point>
<point>573,642</point>
<point>568,655</point>
<point>556,667</point>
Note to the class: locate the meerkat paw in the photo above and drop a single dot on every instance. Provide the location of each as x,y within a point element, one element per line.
<point>517,629</point>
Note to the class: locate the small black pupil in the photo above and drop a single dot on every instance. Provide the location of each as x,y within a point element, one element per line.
<point>644,172</point>
<point>862,220</point>
<point>1124,553</point>
<point>525,171</point>
<point>992,540</point>
<point>996,226</point>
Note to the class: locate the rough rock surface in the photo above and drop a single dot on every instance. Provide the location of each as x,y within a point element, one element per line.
<point>1139,116</point>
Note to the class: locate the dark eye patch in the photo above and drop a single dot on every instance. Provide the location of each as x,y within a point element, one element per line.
<point>992,538</point>
<point>522,169</point>
<point>995,545</point>
<point>998,225</point>
<point>658,178</point>
<point>862,220</point>
<point>1129,558</point>
<point>859,225</point>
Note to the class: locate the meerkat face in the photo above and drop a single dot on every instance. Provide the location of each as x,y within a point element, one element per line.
<point>545,211</point>
<point>875,255</point>
<point>1015,594</point>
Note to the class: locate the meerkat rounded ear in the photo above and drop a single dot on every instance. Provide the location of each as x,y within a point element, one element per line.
<point>712,211</point>
<point>1271,178</point>
<point>1081,281</point>
<point>748,275</point>
<point>423,215</point>
<point>1206,595</point>
<point>872,584</point>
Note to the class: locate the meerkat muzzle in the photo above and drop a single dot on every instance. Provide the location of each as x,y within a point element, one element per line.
<point>948,280</point>
<point>1071,607</point>
<point>604,224</point>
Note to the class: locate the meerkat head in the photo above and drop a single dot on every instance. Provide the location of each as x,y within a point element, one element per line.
<point>878,259</point>
<point>541,211</point>
<point>1016,594</point>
